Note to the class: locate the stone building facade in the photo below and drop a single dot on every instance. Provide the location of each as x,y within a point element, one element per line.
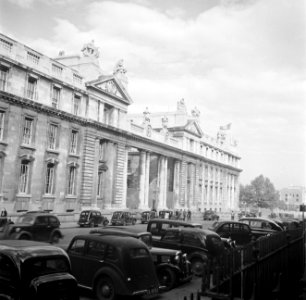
<point>67,141</point>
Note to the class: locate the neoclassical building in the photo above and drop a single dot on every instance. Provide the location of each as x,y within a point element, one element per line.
<point>67,141</point>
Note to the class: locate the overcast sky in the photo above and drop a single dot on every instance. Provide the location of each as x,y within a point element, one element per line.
<point>237,61</point>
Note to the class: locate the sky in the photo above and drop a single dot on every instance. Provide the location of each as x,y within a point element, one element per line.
<point>238,61</point>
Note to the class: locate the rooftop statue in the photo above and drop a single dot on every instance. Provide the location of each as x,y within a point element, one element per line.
<point>195,113</point>
<point>120,72</point>
<point>90,50</point>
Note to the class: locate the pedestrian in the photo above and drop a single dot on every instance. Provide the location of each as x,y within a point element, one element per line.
<point>3,213</point>
<point>232,215</point>
<point>189,215</point>
<point>184,214</point>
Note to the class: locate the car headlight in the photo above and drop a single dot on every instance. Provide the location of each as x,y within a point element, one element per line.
<point>15,230</point>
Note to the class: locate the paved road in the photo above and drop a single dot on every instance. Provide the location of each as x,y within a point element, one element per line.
<point>176,294</point>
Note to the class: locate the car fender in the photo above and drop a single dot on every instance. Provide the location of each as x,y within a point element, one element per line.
<point>198,254</point>
<point>174,268</point>
<point>56,230</point>
<point>120,284</point>
<point>19,234</point>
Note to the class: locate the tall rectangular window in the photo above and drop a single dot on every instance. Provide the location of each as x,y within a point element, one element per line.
<point>56,93</point>
<point>74,142</point>
<point>2,115</point>
<point>102,146</point>
<point>24,177</point>
<point>32,85</point>
<point>3,77</point>
<point>76,104</point>
<point>71,180</point>
<point>100,183</point>
<point>50,174</point>
<point>27,131</point>
<point>52,138</point>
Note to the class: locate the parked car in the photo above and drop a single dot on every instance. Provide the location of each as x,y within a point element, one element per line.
<point>172,266</point>
<point>113,265</point>
<point>210,215</point>
<point>35,226</point>
<point>92,218</point>
<point>166,214</point>
<point>34,271</point>
<point>123,218</point>
<point>239,232</point>
<point>200,245</point>
<point>158,227</point>
<point>260,226</point>
<point>148,215</point>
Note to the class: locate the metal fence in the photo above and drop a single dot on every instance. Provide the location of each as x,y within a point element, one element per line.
<point>269,268</point>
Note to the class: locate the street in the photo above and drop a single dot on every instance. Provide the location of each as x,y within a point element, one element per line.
<point>177,293</point>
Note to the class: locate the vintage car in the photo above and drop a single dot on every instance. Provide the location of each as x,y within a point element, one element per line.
<point>34,271</point>
<point>210,215</point>
<point>146,216</point>
<point>157,227</point>
<point>92,218</point>
<point>172,266</point>
<point>200,245</point>
<point>35,226</point>
<point>239,232</point>
<point>261,226</point>
<point>113,265</point>
<point>123,218</point>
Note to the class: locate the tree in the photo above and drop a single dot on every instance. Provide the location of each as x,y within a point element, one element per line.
<point>260,193</point>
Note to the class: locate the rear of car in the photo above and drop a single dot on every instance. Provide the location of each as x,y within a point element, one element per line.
<point>36,271</point>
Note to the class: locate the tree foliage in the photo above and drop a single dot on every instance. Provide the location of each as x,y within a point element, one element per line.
<point>259,193</point>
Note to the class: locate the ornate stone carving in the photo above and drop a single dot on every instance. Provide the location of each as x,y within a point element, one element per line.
<point>90,50</point>
<point>181,105</point>
<point>195,113</point>
<point>120,72</point>
<point>146,117</point>
<point>164,121</point>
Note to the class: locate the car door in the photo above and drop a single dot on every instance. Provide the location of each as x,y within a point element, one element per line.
<point>224,230</point>
<point>171,240</point>
<point>41,228</point>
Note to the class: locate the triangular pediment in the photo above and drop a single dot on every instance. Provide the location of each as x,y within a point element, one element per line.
<point>193,128</point>
<point>111,86</point>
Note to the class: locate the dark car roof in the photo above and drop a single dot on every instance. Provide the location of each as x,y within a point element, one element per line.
<point>38,213</point>
<point>219,223</point>
<point>110,231</point>
<point>117,241</point>
<point>191,229</point>
<point>95,210</point>
<point>182,223</point>
<point>22,250</point>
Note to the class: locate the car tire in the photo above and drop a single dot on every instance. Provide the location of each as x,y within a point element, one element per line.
<point>167,278</point>
<point>24,237</point>
<point>197,266</point>
<point>55,238</point>
<point>105,289</point>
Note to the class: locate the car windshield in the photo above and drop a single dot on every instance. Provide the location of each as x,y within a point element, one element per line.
<point>215,224</point>
<point>84,213</point>
<point>39,266</point>
<point>29,219</point>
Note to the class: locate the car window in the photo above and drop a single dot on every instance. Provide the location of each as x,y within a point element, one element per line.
<point>235,227</point>
<point>53,221</point>
<point>111,253</point>
<point>98,213</point>
<point>192,239</point>
<point>245,228</point>
<point>153,228</point>
<point>138,252</point>
<point>77,246</point>
<point>225,228</point>
<point>266,225</point>
<point>255,224</point>
<point>41,220</point>
<point>84,213</point>
<point>96,249</point>
<point>171,236</point>
<point>147,239</point>
<point>29,219</point>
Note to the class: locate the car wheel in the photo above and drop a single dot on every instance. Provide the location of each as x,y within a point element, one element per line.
<point>167,278</point>
<point>24,237</point>
<point>105,289</point>
<point>55,238</point>
<point>105,222</point>
<point>197,266</point>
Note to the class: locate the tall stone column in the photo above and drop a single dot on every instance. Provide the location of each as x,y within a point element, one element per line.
<point>183,184</point>
<point>142,177</point>
<point>147,181</point>
<point>162,182</point>
<point>176,184</point>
